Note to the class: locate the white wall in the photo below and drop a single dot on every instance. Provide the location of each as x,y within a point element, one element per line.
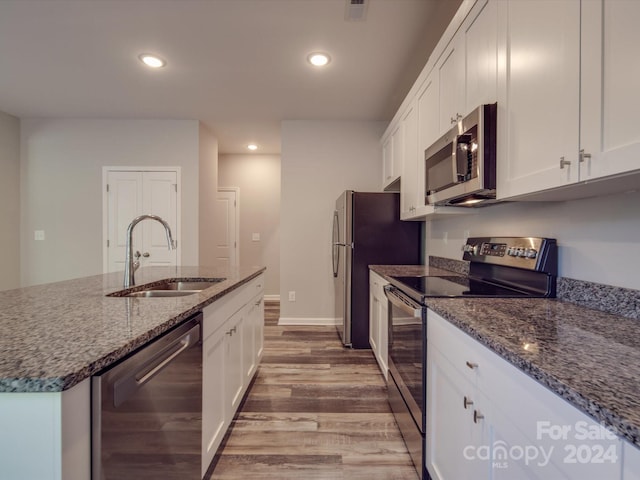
<point>207,183</point>
<point>9,202</point>
<point>61,187</point>
<point>598,238</point>
<point>258,180</point>
<point>319,161</point>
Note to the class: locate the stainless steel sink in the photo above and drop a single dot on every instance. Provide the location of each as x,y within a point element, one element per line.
<point>179,285</point>
<point>170,288</point>
<point>162,293</point>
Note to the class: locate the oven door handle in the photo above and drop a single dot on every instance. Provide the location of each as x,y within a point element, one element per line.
<point>403,302</point>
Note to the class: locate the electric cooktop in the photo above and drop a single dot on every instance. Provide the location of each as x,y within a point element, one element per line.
<point>500,267</point>
<point>453,286</point>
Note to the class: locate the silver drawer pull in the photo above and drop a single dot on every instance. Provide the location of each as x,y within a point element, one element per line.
<point>472,365</point>
<point>467,402</point>
<point>477,416</point>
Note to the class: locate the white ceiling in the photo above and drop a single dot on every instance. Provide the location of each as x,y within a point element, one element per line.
<point>237,65</point>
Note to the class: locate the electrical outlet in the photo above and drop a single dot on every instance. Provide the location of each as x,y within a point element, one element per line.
<point>292,296</point>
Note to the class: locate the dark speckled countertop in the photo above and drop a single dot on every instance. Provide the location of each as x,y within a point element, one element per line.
<point>55,335</point>
<point>586,356</point>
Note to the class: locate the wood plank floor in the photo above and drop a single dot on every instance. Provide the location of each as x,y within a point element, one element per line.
<point>315,411</point>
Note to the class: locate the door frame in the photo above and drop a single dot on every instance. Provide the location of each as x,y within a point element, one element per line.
<point>236,190</point>
<point>177,235</point>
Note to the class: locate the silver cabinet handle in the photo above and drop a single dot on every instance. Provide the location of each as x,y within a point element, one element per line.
<point>472,365</point>
<point>564,163</point>
<point>477,416</point>
<point>584,156</point>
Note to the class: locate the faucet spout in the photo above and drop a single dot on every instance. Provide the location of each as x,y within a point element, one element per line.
<point>130,266</point>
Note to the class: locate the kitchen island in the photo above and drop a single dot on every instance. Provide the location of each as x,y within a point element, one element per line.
<point>54,337</point>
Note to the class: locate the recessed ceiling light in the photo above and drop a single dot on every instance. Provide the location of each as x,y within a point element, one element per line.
<point>252,146</point>
<point>318,59</point>
<point>152,61</point>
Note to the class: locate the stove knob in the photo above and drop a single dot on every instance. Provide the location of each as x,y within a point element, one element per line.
<point>475,250</point>
<point>532,253</point>
<point>511,251</point>
<point>522,252</point>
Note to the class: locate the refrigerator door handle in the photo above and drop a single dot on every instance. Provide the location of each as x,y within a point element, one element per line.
<point>335,253</point>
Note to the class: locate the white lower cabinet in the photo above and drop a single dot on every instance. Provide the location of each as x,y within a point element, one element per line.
<point>487,419</point>
<point>233,329</point>
<point>378,321</point>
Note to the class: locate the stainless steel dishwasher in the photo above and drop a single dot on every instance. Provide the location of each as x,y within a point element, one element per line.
<point>147,410</point>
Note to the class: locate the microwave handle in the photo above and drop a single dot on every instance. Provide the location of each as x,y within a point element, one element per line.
<point>460,166</point>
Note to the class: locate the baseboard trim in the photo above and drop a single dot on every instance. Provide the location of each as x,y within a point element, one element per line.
<point>271,298</point>
<point>307,321</point>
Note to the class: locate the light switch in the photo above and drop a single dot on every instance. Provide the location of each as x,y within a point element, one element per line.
<point>255,237</point>
<point>38,235</point>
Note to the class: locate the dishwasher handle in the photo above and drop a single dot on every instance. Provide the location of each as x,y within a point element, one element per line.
<point>136,371</point>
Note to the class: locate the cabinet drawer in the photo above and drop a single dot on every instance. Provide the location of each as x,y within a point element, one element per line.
<point>456,346</point>
<point>220,310</point>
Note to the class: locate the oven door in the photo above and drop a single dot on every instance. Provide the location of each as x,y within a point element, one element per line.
<point>407,369</point>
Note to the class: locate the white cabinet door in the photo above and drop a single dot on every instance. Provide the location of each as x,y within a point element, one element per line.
<point>610,133</point>
<point>456,444</point>
<point>481,55</point>
<point>631,463</point>
<point>392,154</point>
<point>160,197</point>
<point>378,321</point>
<point>214,411</point>
<point>409,183</point>
<point>451,80</point>
<point>253,337</point>
<point>538,95</point>
<point>234,370</point>
<point>248,343</point>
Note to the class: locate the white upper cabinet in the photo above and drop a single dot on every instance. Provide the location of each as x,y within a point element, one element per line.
<point>409,183</point>
<point>392,157</point>
<point>610,129</point>
<point>538,97</point>
<point>568,98</point>
<point>481,55</point>
<point>450,72</point>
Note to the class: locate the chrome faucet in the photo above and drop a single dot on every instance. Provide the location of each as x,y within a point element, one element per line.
<point>130,266</point>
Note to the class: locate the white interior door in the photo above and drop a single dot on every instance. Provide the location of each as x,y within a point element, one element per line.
<point>226,231</point>
<point>134,192</point>
<point>159,193</point>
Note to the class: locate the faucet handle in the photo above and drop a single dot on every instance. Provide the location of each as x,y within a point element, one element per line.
<point>146,254</point>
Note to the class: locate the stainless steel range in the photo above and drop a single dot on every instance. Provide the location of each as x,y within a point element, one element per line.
<point>500,267</point>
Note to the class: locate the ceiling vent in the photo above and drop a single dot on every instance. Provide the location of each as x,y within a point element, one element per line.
<point>356,10</point>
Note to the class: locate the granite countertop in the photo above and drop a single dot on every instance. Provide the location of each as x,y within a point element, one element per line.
<point>586,356</point>
<point>55,335</point>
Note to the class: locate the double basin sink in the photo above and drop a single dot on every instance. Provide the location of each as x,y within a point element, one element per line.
<point>170,288</point>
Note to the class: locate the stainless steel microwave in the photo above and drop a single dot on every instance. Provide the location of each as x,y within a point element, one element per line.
<point>460,166</point>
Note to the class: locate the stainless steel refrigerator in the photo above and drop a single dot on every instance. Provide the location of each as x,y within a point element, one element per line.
<point>367,230</point>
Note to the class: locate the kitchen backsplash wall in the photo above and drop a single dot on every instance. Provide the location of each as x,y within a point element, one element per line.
<point>597,237</point>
